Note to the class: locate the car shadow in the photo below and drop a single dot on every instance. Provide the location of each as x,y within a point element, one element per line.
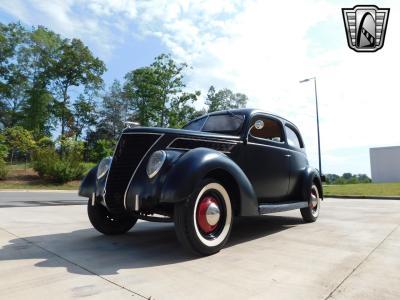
<point>85,251</point>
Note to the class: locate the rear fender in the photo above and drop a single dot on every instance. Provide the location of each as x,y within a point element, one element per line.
<point>311,175</point>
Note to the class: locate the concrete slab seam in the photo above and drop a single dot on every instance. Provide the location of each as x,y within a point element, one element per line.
<point>362,261</point>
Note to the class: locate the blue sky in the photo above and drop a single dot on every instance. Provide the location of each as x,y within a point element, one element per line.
<point>261,48</point>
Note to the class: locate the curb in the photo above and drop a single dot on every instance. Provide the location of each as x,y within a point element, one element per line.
<point>38,191</point>
<point>364,197</point>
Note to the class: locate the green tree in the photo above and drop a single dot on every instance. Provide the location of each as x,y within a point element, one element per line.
<point>13,37</point>
<point>142,95</point>
<point>3,147</point>
<point>113,112</point>
<point>3,156</point>
<point>98,144</point>
<point>224,99</point>
<point>181,111</point>
<point>347,176</point>
<point>157,93</point>
<point>27,77</point>
<point>75,66</point>
<point>18,140</point>
<point>85,115</point>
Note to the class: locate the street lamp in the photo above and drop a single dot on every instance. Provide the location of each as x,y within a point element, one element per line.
<point>316,108</point>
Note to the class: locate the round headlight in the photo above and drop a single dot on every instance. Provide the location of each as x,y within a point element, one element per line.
<point>155,163</point>
<point>103,167</point>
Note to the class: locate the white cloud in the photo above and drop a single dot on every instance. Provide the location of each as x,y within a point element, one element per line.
<point>71,18</point>
<point>264,49</point>
<point>110,7</point>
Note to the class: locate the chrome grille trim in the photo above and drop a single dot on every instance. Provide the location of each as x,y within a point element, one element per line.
<point>140,163</point>
<point>108,172</point>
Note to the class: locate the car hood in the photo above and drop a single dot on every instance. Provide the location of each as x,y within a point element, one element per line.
<point>181,133</point>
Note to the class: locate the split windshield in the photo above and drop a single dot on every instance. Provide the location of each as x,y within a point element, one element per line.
<point>224,123</point>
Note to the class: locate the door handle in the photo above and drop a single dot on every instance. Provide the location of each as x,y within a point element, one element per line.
<point>287,155</point>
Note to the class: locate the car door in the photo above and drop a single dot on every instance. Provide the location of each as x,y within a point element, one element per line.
<point>298,159</point>
<point>267,162</point>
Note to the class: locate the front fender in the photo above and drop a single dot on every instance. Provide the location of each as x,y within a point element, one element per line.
<point>187,172</point>
<point>88,184</point>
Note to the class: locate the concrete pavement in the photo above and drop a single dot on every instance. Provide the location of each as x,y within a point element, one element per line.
<point>12,198</point>
<point>351,252</point>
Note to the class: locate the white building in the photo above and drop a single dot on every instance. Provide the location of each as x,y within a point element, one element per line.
<point>385,164</point>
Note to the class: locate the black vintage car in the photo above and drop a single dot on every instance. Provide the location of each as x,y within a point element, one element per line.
<point>219,166</point>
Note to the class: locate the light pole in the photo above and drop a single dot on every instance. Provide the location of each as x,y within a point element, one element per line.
<point>316,108</point>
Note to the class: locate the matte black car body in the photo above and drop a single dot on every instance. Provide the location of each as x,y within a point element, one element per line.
<point>263,176</point>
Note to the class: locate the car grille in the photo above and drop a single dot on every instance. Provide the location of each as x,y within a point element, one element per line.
<point>128,154</point>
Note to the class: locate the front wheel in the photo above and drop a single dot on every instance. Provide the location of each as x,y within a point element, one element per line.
<point>107,223</point>
<point>311,212</point>
<point>204,222</point>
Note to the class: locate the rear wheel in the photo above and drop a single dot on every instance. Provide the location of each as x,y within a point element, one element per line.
<point>311,213</point>
<point>204,222</point>
<point>107,223</point>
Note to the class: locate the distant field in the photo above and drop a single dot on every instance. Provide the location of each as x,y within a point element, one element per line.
<point>363,189</point>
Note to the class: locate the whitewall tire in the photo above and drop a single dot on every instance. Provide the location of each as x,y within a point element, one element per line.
<point>203,223</point>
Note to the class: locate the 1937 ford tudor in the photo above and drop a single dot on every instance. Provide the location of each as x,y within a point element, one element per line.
<point>220,166</point>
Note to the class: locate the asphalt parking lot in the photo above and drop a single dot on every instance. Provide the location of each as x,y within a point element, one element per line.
<point>49,250</point>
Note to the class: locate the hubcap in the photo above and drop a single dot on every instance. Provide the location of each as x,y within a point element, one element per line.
<point>314,201</point>
<point>208,214</point>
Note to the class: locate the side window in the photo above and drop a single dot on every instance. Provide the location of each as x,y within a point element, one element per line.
<point>271,129</point>
<point>293,138</point>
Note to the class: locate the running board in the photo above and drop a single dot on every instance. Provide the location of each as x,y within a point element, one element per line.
<point>273,207</point>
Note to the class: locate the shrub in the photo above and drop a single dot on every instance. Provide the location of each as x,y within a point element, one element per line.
<point>44,160</point>
<point>45,142</point>
<point>50,165</point>
<point>66,170</point>
<point>19,140</point>
<point>101,149</point>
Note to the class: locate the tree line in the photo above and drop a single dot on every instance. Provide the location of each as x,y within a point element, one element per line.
<point>52,94</point>
<point>347,178</point>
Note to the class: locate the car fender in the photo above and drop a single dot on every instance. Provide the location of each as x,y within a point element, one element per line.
<point>311,175</point>
<point>88,184</point>
<point>187,172</point>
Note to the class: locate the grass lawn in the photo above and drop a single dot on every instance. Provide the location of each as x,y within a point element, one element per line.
<point>37,185</point>
<point>363,189</point>
<point>24,177</point>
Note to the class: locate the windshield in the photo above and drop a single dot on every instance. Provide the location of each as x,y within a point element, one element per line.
<point>225,123</point>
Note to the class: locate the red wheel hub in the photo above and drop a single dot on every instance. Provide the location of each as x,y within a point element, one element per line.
<point>208,214</point>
